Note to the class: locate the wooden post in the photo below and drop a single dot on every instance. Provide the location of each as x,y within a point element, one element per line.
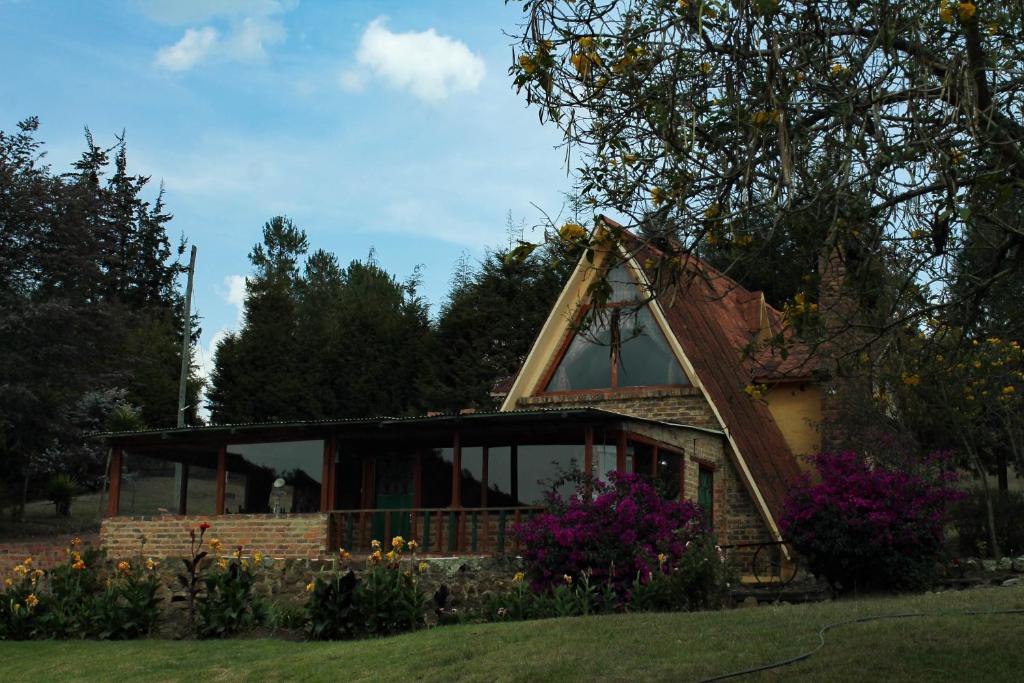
<point>654,461</point>
<point>620,452</point>
<point>456,471</point>
<point>114,491</point>
<point>222,471</point>
<point>332,487</point>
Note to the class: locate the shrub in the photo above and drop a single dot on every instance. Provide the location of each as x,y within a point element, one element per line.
<point>970,520</point>
<point>386,599</point>
<point>129,607</point>
<point>863,527</point>
<point>61,489</point>
<point>230,603</point>
<point>698,580</point>
<point>611,535</point>
<point>569,599</point>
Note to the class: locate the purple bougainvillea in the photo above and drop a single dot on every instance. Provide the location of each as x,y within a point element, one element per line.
<point>864,527</point>
<point>615,533</point>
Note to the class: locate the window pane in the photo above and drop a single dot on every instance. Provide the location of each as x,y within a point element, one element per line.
<point>147,486</point>
<point>499,478</point>
<point>667,479</point>
<point>586,363</point>
<point>437,478</point>
<point>624,287</point>
<point>472,473</point>
<point>643,458</point>
<point>539,466</point>
<point>645,358</point>
<point>298,463</point>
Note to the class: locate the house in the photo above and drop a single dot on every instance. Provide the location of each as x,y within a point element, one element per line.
<point>679,387</point>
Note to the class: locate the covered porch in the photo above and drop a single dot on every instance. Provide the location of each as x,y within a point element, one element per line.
<point>454,483</point>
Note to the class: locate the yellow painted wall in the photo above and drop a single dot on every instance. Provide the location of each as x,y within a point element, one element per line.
<point>796,407</point>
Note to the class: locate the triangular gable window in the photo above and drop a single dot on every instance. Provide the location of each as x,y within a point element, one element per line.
<point>643,357</point>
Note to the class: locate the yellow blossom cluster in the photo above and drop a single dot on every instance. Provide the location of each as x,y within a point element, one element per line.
<point>572,232</point>
<point>964,11</point>
<point>755,391</point>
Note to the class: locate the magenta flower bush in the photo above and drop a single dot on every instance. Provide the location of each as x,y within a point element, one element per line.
<point>861,527</point>
<point>614,535</point>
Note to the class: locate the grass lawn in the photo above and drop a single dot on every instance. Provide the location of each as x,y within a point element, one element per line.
<point>669,647</point>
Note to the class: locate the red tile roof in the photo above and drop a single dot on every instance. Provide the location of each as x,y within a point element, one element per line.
<point>716,320</point>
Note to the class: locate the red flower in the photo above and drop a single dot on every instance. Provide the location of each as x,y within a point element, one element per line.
<point>204,526</point>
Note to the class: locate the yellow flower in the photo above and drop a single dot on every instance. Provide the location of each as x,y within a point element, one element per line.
<point>21,570</point>
<point>376,556</point>
<point>657,195</point>
<point>28,561</point>
<point>257,557</point>
<point>519,576</point>
<point>966,11</point>
<point>245,564</point>
<point>392,555</point>
<point>911,380</point>
<point>123,566</point>
<point>31,600</point>
<point>78,565</point>
<point>526,61</point>
<point>755,391</point>
<point>586,42</point>
<point>413,545</point>
<point>839,70</point>
<point>1008,389</point>
<point>215,545</point>
<point>582,64</point>
<point>76,541</point>
<point>567,579</point>
<point>75,556</point>
<point>237,553</point>
<point>423,567</point>
<point>8,582</point>
<point>152,564</point>
<point>222,563</point>
<point>344,554</point>
<point>572,232</point>
<point>375,544</point>
<point>310,587</point>
<point>662,558</point>
<point>946,14</point>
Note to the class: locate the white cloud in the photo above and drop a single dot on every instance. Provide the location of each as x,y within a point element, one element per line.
<point>193,47</point>
<point>248,41</point>
<point>235,294</point>
<point>430,66</point>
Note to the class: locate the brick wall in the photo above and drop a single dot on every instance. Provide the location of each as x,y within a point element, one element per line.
<point>286,536</point>
<point>45,552</point>
<point>684,405</point>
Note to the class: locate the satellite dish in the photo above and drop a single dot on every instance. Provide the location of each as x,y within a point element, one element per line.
<point>278,483</point>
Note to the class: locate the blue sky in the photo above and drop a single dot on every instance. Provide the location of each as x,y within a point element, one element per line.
<point>384,125</point>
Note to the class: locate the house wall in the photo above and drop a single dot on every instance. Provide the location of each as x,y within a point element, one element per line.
<point>737,519</point>
<point>796,407</point>
<point>290,536</point>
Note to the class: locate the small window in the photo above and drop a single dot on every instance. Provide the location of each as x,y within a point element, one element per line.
<point>706,491</point>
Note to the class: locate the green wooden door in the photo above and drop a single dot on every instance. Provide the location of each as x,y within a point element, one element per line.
<point>706,492</point>
<point>393,492</point>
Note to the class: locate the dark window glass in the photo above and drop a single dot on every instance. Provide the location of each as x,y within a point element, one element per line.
<point>540,466</point>
<point>643,458</point>
<point>644,357</point>
<point>624,287</point>
<point>586,363</point>
<point>255,467</point>
<point>437,478</point>
<point>499,478</point>
<point>472,474</point>
<point>151,486</point>
<point>667,480</point>
<point>349,482</point>
<point>706,491</point>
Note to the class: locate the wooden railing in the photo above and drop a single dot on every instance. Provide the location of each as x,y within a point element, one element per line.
<point>485,531</point>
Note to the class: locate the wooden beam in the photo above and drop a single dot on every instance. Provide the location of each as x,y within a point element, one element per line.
<point>222,471</point>
<point>620,452</point>
<point>114,490</point>
<point>332,488</point>
<point>456,471</point>
<point>326,502</point>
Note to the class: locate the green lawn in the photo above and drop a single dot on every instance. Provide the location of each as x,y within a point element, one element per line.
<point>669,647</point>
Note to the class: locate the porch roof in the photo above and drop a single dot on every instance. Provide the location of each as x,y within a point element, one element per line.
<point>493,427</point>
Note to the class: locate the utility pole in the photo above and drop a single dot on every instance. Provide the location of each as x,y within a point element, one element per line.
<point>181,469</point>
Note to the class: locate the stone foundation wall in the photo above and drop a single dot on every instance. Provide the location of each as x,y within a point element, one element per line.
<point>285,536</point>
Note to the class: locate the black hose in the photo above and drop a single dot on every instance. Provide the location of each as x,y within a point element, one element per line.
<point>859,620</point>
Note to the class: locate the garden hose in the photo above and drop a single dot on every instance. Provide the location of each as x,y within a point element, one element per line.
<point>859,620</point>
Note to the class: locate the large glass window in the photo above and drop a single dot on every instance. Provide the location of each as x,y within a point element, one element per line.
<point>636,355</point>
<point>542,466</point>
<point>437,478</point>
<point>254,468</point>
<point>154,486</point>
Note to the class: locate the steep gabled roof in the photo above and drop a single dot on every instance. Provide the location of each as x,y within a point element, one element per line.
<point>714,323</point>
<point>713,320</point>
